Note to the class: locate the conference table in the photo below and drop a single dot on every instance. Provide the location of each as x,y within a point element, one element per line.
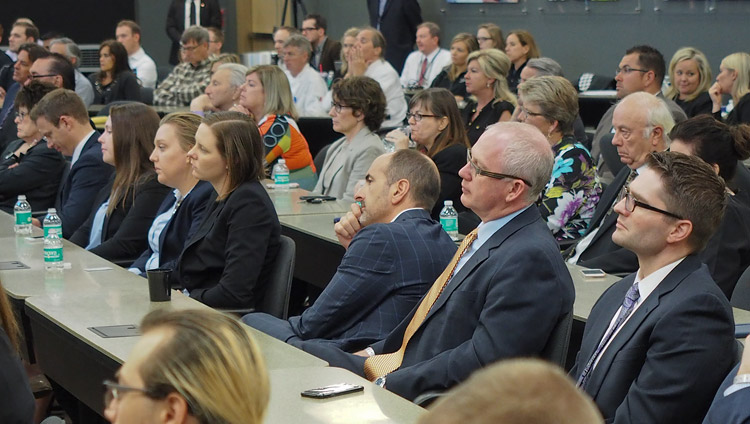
<point>61,307</point>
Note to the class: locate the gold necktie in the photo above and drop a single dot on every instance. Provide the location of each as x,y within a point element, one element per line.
<point>379,365</point>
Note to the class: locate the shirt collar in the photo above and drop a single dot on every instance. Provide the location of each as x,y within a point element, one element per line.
<point>79,148</point>
<point>405,210</point>
<point>649,283</point>
<point>485,230</point>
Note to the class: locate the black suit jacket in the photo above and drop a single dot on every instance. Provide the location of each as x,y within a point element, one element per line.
<point>181,227</point>
<point>730,409</point>
<point>330,54</point>
<point>667,360</point>
<point>37,175</point>
<point>399,27</point>
<point>210,13</point>
<point>125,230</point>
<point>500,304</point>
<point>80,185</point>
<point>227,263</point>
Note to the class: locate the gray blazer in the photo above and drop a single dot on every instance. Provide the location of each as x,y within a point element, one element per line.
<point>359,153</point>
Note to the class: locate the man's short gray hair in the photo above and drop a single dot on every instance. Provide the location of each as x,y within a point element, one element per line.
<point>656,112</point>
<point>236,73</point>
<point>71,49</point>
<point>197,33</point>
<point>299,41</point>
<point>545,66</point>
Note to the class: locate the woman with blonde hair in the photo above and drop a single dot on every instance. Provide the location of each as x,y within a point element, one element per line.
<point>690,78</point>
<point>486,82</point>
<point>347,42</point>
<point>190,366</point>
<point>180,214</point>
<point>452,77</point>
<point>117,228</point>
<point>733,79</point>
<point>520,47</point>
<point>267,97</point>
<point>490,36</point>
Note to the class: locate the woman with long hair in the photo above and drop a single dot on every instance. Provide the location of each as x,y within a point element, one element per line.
<point>190,366</point>
<point>490,36</point>
<point>486,82</point>
<point>267,97</point>
<point>520,47</point>
<point>228,261</point>
<point>16,400</point>
<point>347,42</point>
<point>180,215</point>
<point>690,78</point>
<point>114,81</point>
<point>123,210</point>
<point>733,79</point>
<point>437,129</point>
<point>453,76</point>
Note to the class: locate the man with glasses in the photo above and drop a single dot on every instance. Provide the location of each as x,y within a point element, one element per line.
<point>641,69</point>
<point>189,79</point>
<point>642,123</point>
<point>659,342</point>
<point>504,291</point>
<point>325,50</point>
<point>27,54</point>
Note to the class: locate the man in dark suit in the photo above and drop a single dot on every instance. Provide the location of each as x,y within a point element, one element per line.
<point>397,20</point>
<point>325,50</point>
<point>642,123</point>
<point>641,69</point>
<point>502,294</point>
<point>658,342</point>
<point>27,55</point>
<point>62,119</point>
<point>394,252</point>
<point>186,13</point>
<point>731,404</point>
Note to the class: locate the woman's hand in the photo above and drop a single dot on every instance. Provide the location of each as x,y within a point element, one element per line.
<point>398,138</point>
<point>715,93</point>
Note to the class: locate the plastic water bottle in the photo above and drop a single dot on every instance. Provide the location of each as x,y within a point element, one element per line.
<point>53,250</point>
<point>449,219</point>
<point>52,221</point>
<point>281,175</point>
<point>22,212</point>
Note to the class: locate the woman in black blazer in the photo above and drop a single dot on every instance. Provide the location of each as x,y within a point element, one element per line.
<point>180,215</point>
<point>114,81</point>
<point>228,262</point>
<point>123,210</point>
<point>28,166</point>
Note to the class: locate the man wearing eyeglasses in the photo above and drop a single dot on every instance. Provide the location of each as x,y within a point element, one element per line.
<point>325,50</point>
<point>641,69</point>
<point>189,79</point>
<point>659,342</point>
<point>503,293</point>
<point>642,123</point>
<point>27,54</point>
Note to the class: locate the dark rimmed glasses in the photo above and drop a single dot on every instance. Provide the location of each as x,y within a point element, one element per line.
<point>495,175</point>
<point>631,203</point>
<point>418,116</point>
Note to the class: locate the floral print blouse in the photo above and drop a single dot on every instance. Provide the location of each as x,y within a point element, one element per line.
<point>571,195</point>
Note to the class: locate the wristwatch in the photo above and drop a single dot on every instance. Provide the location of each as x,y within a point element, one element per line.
<point>738,379</point>
<point>380,381</point>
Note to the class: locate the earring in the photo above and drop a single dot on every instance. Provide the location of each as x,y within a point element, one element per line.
<point>488,84</point>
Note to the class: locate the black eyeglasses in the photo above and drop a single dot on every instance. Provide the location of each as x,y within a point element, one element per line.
<point>483,39</point>
<point>495,175</point>
<point>34,76</point>
<point>113,391</point>
<point>188,48</point>
<point>627,69</point>
<point>22,115</point>
<point>338,106</point>
<point>418,116</point>
<point>631,203</point>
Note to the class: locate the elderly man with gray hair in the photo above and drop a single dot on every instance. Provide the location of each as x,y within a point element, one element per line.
<point>188,79</point>
<point>68,48</point>
<point>308,87</point>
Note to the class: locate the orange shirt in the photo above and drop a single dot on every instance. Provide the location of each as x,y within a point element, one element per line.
<point>281,138</point>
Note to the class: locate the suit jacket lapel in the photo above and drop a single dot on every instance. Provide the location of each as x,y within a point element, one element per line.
<point>208,222</point>
<point>608,198</point>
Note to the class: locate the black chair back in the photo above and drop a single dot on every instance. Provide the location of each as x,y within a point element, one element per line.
<point>556,350</point>
<point>741,293</point>
<point>276,299</point>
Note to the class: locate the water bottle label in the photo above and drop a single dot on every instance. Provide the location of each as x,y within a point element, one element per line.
<point>449,224</point>
<point>281,178</point>
<point>50,227</point>
<point>23,218</point>
<point>53,254</point>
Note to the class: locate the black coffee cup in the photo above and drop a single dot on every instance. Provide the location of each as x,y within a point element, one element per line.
<point>158,284</point>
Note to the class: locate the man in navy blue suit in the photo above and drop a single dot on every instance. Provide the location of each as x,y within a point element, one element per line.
<point>732,402</point>
<point>394,252</point>
<point>503,293</point>
<point>658,342</point>
<point>63,120</point>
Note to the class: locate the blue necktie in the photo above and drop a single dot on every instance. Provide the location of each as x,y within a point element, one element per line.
<point>631,297</point>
